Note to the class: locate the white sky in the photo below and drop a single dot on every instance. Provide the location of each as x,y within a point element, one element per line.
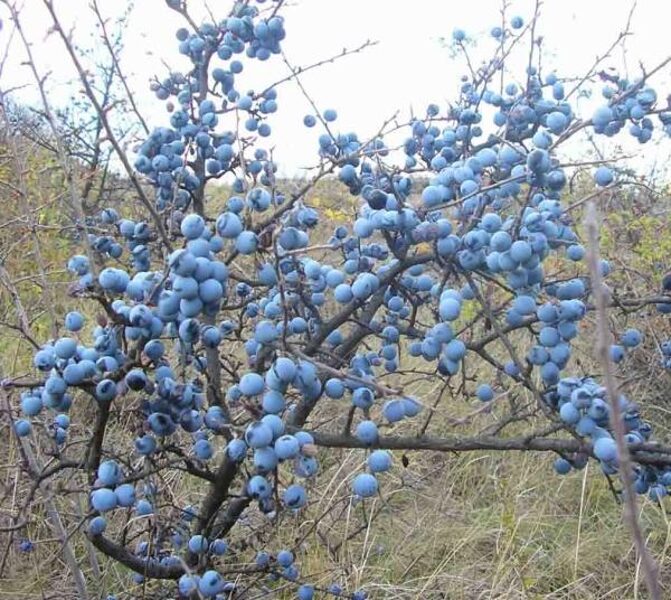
<point>407,68</point>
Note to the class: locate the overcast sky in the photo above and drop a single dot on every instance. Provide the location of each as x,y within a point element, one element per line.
<point>409,67</point>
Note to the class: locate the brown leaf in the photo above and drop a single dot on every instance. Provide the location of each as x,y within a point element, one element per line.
<point>309,449</point>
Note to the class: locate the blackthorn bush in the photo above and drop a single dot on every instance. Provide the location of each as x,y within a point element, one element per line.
<point>226,335</point>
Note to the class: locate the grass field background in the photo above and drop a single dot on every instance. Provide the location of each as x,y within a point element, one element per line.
<point>474,525</point>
